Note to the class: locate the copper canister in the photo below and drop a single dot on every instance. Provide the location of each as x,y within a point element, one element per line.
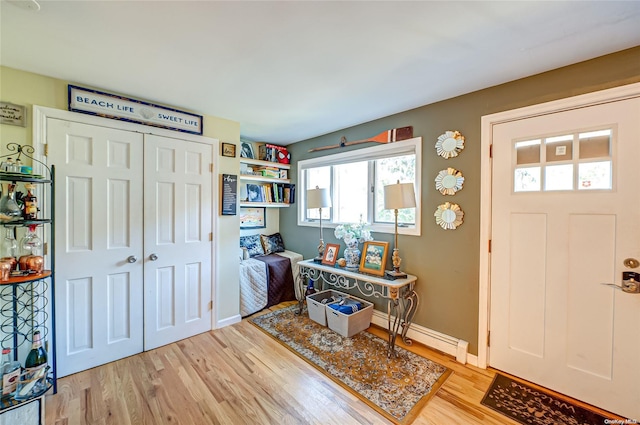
<point>5,270</point>
<point>35,263</point>
<point>12,261</point>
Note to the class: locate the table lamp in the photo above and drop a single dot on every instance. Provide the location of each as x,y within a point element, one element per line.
<point>319,198</point>
<point>396,197</point>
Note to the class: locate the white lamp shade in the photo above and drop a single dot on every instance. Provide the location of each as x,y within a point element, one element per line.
<point>398,196</point>
<point>318,198</point>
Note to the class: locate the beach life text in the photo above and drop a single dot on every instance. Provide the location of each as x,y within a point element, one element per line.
<point>121,108</point>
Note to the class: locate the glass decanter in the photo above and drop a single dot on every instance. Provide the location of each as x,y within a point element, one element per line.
<point>9,248</point>
<point>9,209</point>
<point>31,244</point>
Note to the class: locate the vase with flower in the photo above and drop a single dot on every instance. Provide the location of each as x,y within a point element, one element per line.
<point>353,235</point>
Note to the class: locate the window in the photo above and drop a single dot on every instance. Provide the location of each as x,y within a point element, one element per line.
<point>356,180</point>
<point>580,161</point>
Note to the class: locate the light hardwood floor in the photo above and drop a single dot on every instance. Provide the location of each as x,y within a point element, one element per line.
<point>240,375</point>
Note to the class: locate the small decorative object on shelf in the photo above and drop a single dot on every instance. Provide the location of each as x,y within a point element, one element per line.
<point>9,209</point>
<point>10,373</point>
<point>30,211</point>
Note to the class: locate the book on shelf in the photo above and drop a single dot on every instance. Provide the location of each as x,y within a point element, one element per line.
<point>280,193</point>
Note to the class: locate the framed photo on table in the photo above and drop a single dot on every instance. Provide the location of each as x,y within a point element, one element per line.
<point>374,257</point>
<point>330,254</point>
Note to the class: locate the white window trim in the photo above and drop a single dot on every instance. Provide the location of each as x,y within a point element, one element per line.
<point>410,146</point>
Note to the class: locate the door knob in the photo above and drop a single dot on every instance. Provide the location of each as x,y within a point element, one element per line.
<point>153,257</point>
<point>132,259</point>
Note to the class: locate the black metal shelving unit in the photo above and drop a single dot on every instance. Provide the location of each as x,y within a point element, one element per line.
<point>27,303</point>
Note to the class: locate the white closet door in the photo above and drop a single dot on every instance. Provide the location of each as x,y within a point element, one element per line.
<point>178,249</point>
<point>98,224</point>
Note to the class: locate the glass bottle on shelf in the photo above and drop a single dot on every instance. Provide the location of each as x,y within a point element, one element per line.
<point>10,372</point>
<point>9,248</point>
<point>9,209</point>
<point>37,357</point>
<point>30,211</point>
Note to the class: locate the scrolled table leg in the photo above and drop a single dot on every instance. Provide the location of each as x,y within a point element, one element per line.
<point>393,309</point>
<point>411,302</point>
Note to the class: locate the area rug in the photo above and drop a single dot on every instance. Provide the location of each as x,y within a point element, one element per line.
<point>532,406</point>
<point>396,387</point>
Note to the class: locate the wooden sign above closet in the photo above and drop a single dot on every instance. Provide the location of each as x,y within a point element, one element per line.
<point>116,107</point>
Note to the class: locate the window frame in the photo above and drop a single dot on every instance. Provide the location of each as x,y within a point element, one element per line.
<point>411,146</point>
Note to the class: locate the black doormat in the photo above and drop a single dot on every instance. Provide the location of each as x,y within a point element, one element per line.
<point>533,406</point>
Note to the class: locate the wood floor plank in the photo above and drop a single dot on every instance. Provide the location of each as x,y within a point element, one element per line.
<point>240,375</point>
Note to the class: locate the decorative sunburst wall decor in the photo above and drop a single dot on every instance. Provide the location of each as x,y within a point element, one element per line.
<point>449,181</point>
<point>449,216</point>
<point>449,144</point>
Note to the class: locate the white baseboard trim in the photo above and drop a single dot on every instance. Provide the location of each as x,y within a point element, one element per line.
<point>228,321</point>
<point>455,347</point>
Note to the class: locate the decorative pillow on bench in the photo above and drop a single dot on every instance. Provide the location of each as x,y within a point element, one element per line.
<point>253,245</point>
<point>272,243</point>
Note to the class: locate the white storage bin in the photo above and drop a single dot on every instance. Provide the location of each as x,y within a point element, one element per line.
<point>350,324</point>
<point>316,308</point>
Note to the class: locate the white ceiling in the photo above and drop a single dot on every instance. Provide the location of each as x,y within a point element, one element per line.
<point>288,71</point>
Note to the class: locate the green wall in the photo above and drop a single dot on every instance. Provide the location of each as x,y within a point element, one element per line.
<point>447,262</point>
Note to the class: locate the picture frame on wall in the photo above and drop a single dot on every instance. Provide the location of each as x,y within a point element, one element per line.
<point>374,258</point>
<point>246,150</point>
<point>330,255</point>
<point>253,218</point>
<point>228,149</point>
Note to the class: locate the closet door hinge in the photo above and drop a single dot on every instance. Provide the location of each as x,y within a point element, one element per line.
<point>46,149</point>
<point>489,245</point>
<point>210,236</point>
<point>210,305</point>
<point>45,249</point>
<point>488,338</point>
<point>491,150</point>
<point>211,167</point>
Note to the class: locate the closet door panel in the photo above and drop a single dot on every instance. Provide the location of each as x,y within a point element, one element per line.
<point>178,185</point>
<point>98,223</point>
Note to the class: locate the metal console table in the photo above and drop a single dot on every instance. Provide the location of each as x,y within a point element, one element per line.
<point>402,300</point>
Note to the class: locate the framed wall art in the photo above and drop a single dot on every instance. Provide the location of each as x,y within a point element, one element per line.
<point>374,257</point>
<point>253,218</point>
<point>228,149</point>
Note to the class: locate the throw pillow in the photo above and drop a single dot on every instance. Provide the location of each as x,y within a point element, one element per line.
<point>253,245</point>
<point>272,243</point>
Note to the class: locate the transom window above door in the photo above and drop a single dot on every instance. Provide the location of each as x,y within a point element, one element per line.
<point>578,161</point>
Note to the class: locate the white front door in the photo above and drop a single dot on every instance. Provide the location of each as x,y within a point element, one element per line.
<point>177,241</point>
<point>565,216</point>
<point>98,231</point>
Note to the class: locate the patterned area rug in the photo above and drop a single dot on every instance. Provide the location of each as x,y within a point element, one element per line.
<point>397,388</point>
<point>531,406</point>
